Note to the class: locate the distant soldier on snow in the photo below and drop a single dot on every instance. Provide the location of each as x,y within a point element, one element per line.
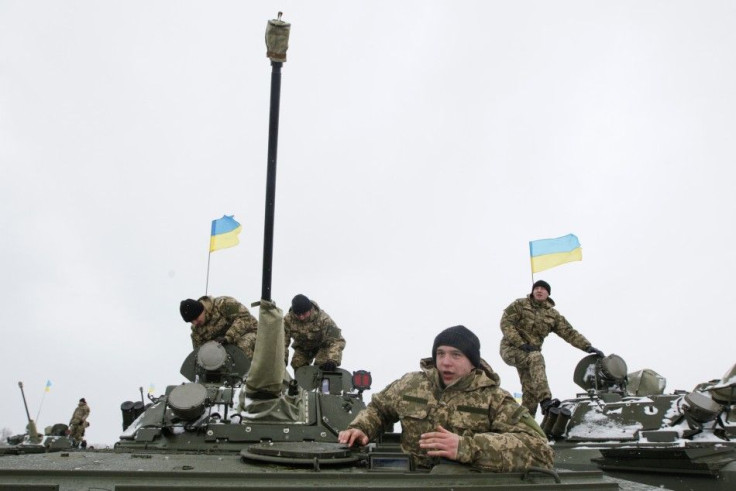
<point>525,323</point>
<point>221,319</point>
<point>455,409</point>
<point>78,423</point>
<point>316,336</point>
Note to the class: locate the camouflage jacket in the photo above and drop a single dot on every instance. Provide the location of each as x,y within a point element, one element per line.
<point>496,433</point>
<point>317,333</point>
<point>527,321</point>
<point>224,316</point>
<point>80,414</point>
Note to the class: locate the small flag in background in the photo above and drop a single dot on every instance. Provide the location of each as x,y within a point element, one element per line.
<point>150,389</point>
<point>517,396</point>
<point>548,253</point>
<point>48,386</point>
<point>224,234</point>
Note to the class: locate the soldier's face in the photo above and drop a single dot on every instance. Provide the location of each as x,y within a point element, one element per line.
<point>452,364</point>
<point>199,320</point>
<point>304,316</point>
<point>540,294</point>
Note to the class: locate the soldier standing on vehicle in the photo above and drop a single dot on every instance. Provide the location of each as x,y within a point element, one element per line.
<point>316,336</point>
<point>525,323</point>
<point>79,423</point>
<point>221,319</point>
<point>455,409</point>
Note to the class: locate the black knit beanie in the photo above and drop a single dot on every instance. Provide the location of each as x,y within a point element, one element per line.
<point>459,337</point>
<point>190,309</point>
<point>544,285</point>
<point>300,304</point>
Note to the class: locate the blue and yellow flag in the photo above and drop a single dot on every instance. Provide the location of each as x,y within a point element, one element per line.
<point>48,386</point>
<point>548,253</point>
<point>224,234</point>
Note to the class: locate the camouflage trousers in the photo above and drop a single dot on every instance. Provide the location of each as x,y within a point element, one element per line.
<point>76,432</point>
<point>532,374</point>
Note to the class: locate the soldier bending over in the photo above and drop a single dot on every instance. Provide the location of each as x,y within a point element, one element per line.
<point>316,336</point>
<point>221,319</point>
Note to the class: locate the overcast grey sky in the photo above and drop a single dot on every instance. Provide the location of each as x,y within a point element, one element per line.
<point>422,145</point>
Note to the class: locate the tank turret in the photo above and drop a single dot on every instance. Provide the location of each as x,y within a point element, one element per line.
<point>625,422</point>
<point>230,400</point>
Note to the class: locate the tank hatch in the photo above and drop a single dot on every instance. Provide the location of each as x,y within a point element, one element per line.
<point>299,453</point>
<point>606,374</point>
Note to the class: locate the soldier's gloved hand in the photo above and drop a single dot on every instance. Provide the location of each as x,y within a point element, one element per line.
<point>598,352</point>
<point>221,340</point>
<point>328,366</point>
<point>528,348</point>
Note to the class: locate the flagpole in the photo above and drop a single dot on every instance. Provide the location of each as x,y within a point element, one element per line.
<point>40,405</point>
<point>207,280</point>
<point>531,264</point>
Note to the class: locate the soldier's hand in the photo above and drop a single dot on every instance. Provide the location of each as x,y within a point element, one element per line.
<point>598,352</point>
<point>328,366</point>
<point>528,348</point>
<point>221,339</point>
<point>352,436</point>
<point>440,443</point>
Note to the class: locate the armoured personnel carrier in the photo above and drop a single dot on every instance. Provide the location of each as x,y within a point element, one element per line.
<point>55,438</point>
<point>237,424</point>
<point>625,424</point>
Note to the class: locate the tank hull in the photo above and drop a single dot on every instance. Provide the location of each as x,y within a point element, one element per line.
<point>83,470</point>
<point>676,468</point>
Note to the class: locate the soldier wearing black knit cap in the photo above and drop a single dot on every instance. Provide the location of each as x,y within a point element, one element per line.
<point>221,319</point>
<point>316,337</point>
<point>525,323</point>
<point>454,409</point>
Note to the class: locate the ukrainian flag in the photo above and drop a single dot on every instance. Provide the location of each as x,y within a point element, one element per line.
<point>224,234</point>
<point>548,253</point>
<point>48,387</point>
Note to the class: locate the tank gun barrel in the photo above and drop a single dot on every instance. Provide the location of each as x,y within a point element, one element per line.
<point>25,404</point>
<point>267,370</point>
<point>32,431</point>
<point>277,42</point>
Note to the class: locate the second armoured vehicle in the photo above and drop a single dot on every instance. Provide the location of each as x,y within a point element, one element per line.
<point>625,424</point>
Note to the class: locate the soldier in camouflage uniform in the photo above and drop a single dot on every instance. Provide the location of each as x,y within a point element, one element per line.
<point>455,409</point>
<point>78,423</point>
<point>316,336</point>
<point>221,319</point>
<point>525,323</point>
